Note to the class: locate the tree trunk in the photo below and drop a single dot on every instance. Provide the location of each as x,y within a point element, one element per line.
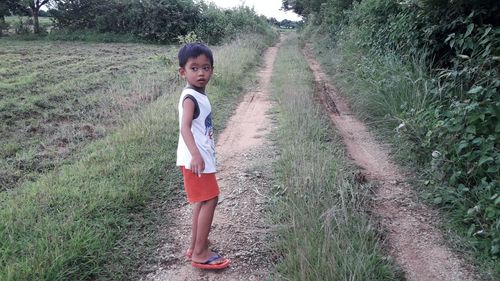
<point>2,25</point>
<point>36,25</point>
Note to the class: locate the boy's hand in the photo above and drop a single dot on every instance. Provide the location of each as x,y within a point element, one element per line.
<point>197,164</point>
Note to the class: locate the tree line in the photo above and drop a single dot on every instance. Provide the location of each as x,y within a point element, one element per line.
<point>150,20</point>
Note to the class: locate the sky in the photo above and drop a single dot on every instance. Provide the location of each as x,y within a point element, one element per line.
<point>268,8</point>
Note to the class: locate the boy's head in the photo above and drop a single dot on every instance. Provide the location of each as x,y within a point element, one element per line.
<point>193,50</point>
<point>196,65</point>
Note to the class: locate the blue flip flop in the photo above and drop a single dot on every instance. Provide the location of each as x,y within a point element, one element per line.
<point>208,264</point>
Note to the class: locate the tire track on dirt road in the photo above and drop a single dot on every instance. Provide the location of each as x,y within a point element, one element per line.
<point>410,227</point>
<point>244,175</point>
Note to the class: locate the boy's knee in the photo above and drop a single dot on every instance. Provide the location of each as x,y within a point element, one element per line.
<point>212,201</point>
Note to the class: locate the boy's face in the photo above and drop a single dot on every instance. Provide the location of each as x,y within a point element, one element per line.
<point>197,71</point>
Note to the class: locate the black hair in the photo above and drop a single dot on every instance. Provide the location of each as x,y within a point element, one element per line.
<point>193,50</point>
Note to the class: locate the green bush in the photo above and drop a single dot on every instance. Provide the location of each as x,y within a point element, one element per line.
<point>22,27</point>
<point>4,26</point>
<point>464,128</point>
<point>163,21</point>
<point>158,21</point>
<point>212,26</point>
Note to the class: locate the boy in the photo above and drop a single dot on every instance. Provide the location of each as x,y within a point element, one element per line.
<point>196,152</point>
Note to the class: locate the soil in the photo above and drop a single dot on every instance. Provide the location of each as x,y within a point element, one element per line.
<point>239,231</point>
<point>410,227</point>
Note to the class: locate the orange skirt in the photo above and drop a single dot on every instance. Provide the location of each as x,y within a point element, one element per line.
<point>199,189</point>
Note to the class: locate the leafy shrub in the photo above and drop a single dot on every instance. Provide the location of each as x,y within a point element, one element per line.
<point>216,25</point>
<point>464,128</point>
<point>191,37</point>
<point>212,25</point>
<point>3,26</point>
<point>23,26</point>
<point>163,21</point>
<point>158,21</point>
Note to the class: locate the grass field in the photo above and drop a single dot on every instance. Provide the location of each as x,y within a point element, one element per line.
<point>56,97</point>
<point>96,212</point>
<point>324,230</point>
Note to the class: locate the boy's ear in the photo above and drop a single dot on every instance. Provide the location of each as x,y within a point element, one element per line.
<point>182,71</point>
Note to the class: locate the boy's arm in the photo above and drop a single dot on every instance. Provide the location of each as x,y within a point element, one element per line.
<point>197,163</point>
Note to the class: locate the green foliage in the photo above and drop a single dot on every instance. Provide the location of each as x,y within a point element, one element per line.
<point>303,7</point>
<point>73,14</point>
<point>154,21</point>
<point>3,26</point>
<point>159,21</point>
<point>13,7</point>
<point>464,128</point>
<point>22,27</point>
<point>163,21</point>
<point>191,37</point>
<point>215,25</point>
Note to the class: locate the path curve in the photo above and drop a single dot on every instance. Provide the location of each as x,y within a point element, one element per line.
<point>410,227</point>
<point>239,230</point>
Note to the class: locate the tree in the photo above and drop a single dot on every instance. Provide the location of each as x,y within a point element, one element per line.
<point>34,6</point>
<point>76,14</point>
<point>302,7</point>
<point>10,7</point>
<point>273,21</point>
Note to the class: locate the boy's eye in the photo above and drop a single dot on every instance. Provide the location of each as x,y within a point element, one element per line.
<point>204,68</point>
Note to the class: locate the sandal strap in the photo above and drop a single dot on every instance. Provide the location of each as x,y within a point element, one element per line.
<point>213,258</point>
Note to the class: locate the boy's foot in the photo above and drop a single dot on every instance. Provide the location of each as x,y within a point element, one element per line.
<point>215,262</point>
<point>189,254</point>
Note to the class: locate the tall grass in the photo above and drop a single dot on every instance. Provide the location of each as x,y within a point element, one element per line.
<point>378,86</point>
<point>323,230</point>
<point>385,91</point>
<point>75,222</point>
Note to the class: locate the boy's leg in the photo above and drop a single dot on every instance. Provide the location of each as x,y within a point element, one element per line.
<point>194,227</point>
<point>201,252</point>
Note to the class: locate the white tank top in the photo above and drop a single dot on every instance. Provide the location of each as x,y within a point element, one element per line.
<point>202,130</point>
